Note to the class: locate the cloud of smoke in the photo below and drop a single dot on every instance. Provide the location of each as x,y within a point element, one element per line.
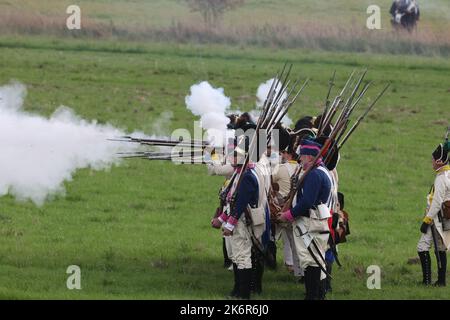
<point>261,95</point>
<point>38,154</point>
<point>211,105</point>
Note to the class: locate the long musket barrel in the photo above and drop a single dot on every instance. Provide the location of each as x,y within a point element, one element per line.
<point>322,153</point>
<point>327,100</point>
<point>335,105</point>
<point>361,118</point>
<point>263,121</point>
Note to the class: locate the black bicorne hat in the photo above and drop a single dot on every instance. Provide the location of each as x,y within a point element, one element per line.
<point>332,158</point>
<point>441,153</point>
<point>284,139</point>
<point>305,122</point>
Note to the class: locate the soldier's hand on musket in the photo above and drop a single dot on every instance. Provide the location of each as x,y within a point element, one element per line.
<point>286,216</point>
<point>215,223</point>
<point>226,232</point>
<point>425,224</point>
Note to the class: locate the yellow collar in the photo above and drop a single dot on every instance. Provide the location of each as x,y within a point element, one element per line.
<point>293,161</point>
<point>443,169</point>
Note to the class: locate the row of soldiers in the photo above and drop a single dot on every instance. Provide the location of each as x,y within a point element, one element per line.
<point>310,229</point>
<point>316,221</point>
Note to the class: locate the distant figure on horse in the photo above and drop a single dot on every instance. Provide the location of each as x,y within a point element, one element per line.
<point>405,14</point>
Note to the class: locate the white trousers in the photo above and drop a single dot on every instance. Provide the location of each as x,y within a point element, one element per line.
<point>241,245</point>
<point>426,241</point>
<point>289,250</point>
<point>314,227</point>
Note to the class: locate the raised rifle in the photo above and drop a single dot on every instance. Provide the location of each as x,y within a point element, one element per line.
<point>361,118</point>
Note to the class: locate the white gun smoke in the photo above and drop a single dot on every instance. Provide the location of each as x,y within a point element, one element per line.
<point>38,154</point>
<point>211,105</point>
<point>261,95</point>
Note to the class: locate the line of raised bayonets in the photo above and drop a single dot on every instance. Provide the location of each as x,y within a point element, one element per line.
<point>278,101</point>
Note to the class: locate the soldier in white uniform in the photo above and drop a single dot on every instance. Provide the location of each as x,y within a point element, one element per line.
<point>437,218</point>
<point>282,178</point>
<point>247,222</point>
<point>309,215</point>
<point>219,168</point>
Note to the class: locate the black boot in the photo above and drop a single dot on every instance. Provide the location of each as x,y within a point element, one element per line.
<point>442,270</point>
<point>426,267</point>
<point>226,260</point>
<point>235,292</point>
<point>312,283</point>
<point>322,289</point>
<point>328,279</point>
<point>257,272</point>
<point>244,283</point>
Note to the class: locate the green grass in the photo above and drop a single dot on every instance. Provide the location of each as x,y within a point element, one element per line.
<point>257,12</point>
<point>326,25</point>
<point>141,230</point>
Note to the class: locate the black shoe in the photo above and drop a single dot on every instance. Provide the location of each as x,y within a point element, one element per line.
<point>426,267</point>
<point>442,270</point>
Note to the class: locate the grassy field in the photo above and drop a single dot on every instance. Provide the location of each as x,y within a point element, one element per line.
<point>142,230</point>
<point>328,25</point>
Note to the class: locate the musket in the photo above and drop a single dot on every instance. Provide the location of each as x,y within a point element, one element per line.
<point>347,119</point>
<point>308,240</point>
<point>262,120</point>
<point>323,151</point>
<point>283,112</point>
<point>347,106</point>
<point>279,93</point>
<point>284,108</point>
<point>161,142</point>
<point>327,100</point>
<point>278,108</point>
<point>334,106</point>
<point>446,136</point>
<point>435,243</point>
<point>361,118</point>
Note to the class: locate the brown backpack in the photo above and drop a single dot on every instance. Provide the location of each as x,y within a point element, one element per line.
<point>446,209</point>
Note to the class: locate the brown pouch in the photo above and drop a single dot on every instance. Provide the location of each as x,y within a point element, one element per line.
<point>446,209</point>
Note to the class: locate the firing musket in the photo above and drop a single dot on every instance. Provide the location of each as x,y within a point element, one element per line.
<point>162,142</point>
<point>361,118</point>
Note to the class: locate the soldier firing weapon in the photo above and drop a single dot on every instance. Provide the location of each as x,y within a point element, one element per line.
<point>183,151</point>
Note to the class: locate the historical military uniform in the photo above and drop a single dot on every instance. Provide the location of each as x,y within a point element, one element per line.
<point>282,177</point>
<point>436,218</point>
<point>248,222</point>
<point>310,215</point>
<point>216,167</point>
